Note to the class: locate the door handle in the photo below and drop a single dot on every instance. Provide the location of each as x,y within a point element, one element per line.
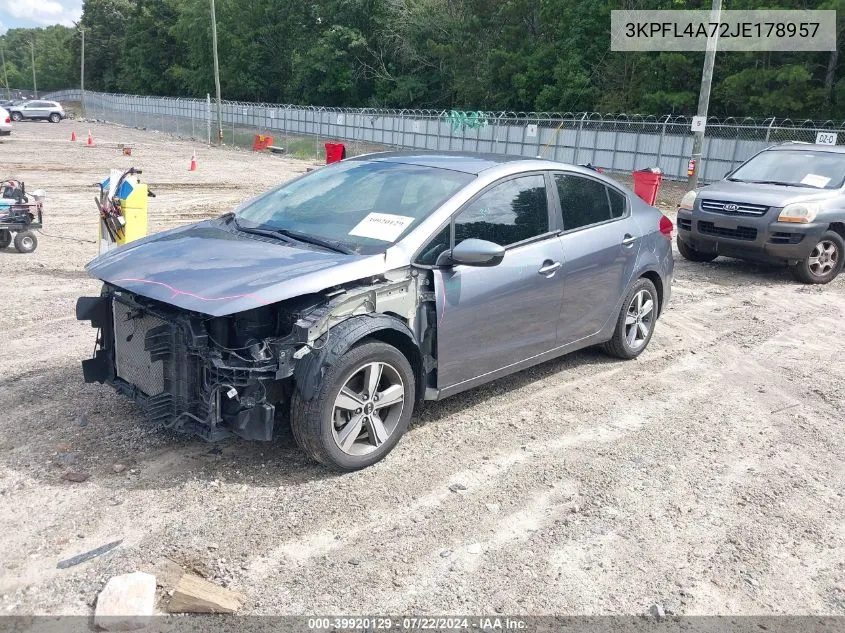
<point>628,239</point>
<point>549,268</point>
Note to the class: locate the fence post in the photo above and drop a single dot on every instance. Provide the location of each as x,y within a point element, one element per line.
<point>736,146</point>
<point>578,138</point>
<point>769,129</point>
<point>660,142</point>
<point>208,116</point>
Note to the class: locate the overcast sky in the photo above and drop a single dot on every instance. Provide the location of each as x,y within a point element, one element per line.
<point>14,13</point>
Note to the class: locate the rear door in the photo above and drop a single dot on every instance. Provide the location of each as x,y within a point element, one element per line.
<point>601,242</point>
<point>490,318</point>
<point>35,109</point>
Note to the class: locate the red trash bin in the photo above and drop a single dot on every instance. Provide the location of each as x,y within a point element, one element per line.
<point>261,142</point>
<point>646,184</point>
<point>335,152</point>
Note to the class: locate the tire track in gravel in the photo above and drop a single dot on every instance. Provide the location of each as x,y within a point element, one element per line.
<point>326,541</point>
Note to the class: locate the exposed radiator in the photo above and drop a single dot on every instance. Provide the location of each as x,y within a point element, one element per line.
<point>132,361</point>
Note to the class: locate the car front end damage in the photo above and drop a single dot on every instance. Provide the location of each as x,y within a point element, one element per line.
<point>218,375</point>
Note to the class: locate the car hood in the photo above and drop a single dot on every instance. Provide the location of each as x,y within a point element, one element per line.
<point>209,268</point>
<point>768,195</point>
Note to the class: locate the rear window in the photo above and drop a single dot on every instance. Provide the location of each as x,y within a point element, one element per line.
<point>794,167</point>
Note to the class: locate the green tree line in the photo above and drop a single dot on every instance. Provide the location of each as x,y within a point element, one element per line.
<point>520,55</point>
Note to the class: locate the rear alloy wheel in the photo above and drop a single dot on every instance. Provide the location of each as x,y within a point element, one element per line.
<point>55,117</point>
<point>16,116</point>
<point>26,242</point>
<point>689,253</point>
<point>5,238</point>
<point>824,262</point>
<point>636,321</point>
<point>362,407</point>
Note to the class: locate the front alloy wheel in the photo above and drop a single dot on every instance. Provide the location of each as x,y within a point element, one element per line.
<point>824,262</point>
<point>360,408</point>
<point>368,408</point>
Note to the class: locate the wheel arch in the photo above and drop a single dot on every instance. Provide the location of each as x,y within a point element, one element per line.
<point>838,227</point>
<point>654,277</point>
<point>352,332</point>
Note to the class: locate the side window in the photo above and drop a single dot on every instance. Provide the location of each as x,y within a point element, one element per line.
<point>508,213</point>
<point>618,203</point>
<point>582,200</point>
<point>430,252</point>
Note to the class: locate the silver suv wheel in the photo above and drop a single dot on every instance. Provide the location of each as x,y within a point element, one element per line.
<point>823,258</point>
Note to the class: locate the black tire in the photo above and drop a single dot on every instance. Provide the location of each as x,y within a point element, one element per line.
<point>807,270</point>
<point>689,253</point>
<point>16,116</point>
<point>619,346</point>
<point>26,242</point>
<point>5,238</point>
<point>54,118</point>
<point>312,421</point>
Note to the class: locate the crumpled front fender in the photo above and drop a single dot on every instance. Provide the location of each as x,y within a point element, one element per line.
<point>337,341</point>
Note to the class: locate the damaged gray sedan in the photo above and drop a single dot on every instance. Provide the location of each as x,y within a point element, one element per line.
<point>340,300</point>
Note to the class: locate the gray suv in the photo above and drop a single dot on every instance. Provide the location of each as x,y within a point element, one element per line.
<point>786,205</point>
<point>34,110</point>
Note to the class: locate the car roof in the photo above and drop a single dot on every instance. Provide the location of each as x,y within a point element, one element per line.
<point>455,161</point>
<point>811,147</point>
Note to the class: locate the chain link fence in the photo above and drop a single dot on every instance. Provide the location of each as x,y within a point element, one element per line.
<point>620,143</point>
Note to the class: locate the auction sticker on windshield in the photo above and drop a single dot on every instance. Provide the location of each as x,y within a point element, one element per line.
<point>814,180</point>
<point>382,226</point>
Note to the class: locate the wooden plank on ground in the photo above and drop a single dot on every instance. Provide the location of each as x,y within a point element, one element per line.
<point>195,595</point>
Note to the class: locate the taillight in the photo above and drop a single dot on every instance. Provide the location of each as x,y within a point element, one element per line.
<point>8,119</point>
<point>666,227</point>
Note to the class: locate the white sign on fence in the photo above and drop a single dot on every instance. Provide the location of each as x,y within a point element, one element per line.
<point>340,119</point>
<point>826,138</point>
<point>417,127</point>
<point>531,131</point>
<point>698,123</point>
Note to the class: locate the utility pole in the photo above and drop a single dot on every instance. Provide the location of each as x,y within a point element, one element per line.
<point>82,70</point>
<point>32,50</point>
<point>704,95</point>
<point>5,73</point>
<point>216,74</point>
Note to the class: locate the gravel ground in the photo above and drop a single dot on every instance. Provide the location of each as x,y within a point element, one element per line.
<point>705,476</point>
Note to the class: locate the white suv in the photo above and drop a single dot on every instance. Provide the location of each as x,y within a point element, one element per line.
<point>34,110</point>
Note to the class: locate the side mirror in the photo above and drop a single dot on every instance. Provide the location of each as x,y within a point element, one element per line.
<point>473,252</point>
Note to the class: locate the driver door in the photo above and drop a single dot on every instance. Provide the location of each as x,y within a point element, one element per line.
<point>489,318</point>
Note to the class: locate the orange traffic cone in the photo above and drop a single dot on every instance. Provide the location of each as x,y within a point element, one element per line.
<point>193,166</point>
<point>90,138</point>
<point>73,135</point>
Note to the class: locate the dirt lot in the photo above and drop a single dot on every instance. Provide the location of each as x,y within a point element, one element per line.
<point>706,476</point>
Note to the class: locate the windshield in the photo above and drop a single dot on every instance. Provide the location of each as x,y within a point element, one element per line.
<point>799,168</point>
<point>363,205</point>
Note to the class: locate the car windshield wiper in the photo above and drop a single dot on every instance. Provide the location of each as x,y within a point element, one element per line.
<point>231,217</point>
<point>289,235</point>
<point>332,245</point>
<point>780,182</point>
